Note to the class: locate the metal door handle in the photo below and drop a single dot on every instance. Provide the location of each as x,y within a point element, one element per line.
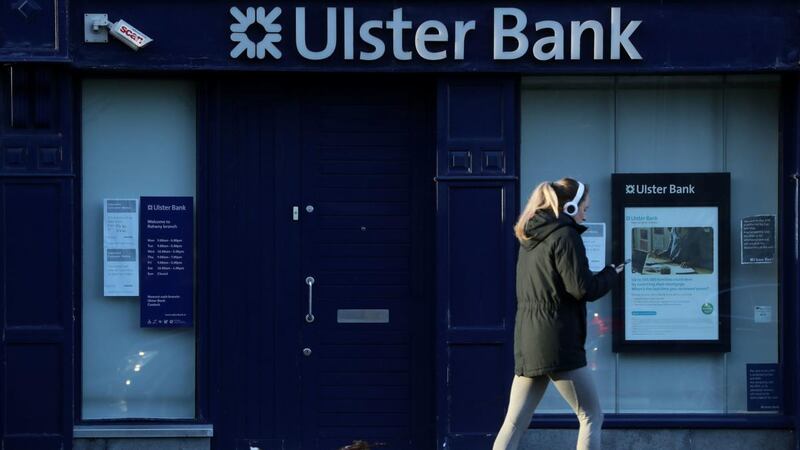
<point>310,315</point>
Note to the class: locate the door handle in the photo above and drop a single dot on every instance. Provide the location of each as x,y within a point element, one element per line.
<point>310,315</point>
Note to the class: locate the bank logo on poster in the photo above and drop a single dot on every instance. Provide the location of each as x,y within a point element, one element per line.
<point>651,189</point>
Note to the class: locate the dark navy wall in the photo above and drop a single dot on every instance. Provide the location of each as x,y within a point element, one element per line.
<point>477,147</point>
<point>790,186</point>
<point>34,30</point>
<point>36,258</point>
<point>675,36</point>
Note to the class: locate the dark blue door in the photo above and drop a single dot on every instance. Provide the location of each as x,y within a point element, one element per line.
<point>366,267</point>
<point>360,152</point>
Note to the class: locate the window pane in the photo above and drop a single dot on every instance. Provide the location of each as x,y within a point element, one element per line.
<point>751,136</point>
<point>568,130</point>
<point>590,127</point>
<point>138,140</point>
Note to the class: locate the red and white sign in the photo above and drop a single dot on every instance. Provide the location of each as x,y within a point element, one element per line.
<point>129,35</point>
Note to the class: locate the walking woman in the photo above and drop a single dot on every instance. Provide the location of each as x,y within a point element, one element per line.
<point>553,285</point>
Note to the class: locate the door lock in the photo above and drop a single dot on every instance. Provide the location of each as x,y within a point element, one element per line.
<point>307,351</point>
<point>309,209</point>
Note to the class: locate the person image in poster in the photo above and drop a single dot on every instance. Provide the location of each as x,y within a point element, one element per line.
<point>691,247</point>
<point>553,285</point>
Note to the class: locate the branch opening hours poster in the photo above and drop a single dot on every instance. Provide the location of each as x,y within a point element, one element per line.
<point>167,242</point>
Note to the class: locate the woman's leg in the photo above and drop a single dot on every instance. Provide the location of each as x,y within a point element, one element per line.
<point>525,396</point>
<point>577,388</point>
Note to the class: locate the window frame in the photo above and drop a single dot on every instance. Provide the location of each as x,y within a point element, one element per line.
<point>200,425</point>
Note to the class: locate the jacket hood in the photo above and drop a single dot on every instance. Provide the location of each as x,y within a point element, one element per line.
<point>543,224</point>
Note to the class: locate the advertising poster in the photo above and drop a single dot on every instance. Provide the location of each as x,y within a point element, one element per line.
<point>671,285</point>
<point>167,273</point>
<point>594,239</point>
<point>674,228</point>
<point>120,247</point>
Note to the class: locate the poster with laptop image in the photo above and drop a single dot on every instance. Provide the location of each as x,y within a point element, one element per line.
<point>671,284</point>
<point>675,228</point>
<point>673,250</point>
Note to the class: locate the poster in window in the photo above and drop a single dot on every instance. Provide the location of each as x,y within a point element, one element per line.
<point>758,239</point>
<point>675,230</point>
<point>167,274</point>
<point>121,247</point>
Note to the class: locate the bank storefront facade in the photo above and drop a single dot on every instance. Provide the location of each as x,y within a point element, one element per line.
<point>289,226</point>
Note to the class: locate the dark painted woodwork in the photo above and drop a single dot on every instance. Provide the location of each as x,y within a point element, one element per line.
<point>476,254</point>
<point>36,314</point>
<point>37,193</point>
<point>363,158</point>
<point>35,120</point>
<point>34,30</point>
<point>674,37</point>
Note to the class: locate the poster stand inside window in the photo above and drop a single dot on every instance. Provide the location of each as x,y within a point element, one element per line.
<point>675,294</point>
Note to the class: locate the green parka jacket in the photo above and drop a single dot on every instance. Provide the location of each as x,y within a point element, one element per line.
<point>553,285</point>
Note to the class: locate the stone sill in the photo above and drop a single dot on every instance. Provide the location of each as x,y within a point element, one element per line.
<point>142,431</point>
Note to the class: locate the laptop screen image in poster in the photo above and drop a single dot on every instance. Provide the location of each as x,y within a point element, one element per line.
<point>674,250</point>
<point>638,258</point>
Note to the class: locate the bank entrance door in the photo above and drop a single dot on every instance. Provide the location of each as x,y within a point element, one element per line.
<point>366,217</point>
<point>319,279</point>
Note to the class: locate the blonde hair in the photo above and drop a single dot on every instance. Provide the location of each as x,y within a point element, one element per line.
<point>547,195</point>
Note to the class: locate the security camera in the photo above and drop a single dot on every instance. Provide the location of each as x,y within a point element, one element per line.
<point>97,27</point>
<point>129,35</point>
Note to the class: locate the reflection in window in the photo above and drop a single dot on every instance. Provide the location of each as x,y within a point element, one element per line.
<point>138,140</point>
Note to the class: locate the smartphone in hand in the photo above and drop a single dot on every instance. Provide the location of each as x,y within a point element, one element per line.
<point>620,267</point>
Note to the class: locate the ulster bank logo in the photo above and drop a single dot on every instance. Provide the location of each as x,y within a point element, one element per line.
<point>257,21</point>
<point>352,35</point>
<point>652,189</point>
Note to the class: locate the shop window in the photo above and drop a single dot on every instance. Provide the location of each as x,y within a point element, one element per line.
<point>591,127</point>
<point>138,139</point>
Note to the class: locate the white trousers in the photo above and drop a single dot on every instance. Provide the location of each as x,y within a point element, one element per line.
<point>577,388</point>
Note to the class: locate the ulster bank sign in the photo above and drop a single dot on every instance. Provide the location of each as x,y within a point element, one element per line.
<point>261,33</point>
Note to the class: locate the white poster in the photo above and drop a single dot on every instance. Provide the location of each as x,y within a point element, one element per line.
<point>671,284</point>
<point>762,314</point>
<point>594,239</point>
<point>121,247</point>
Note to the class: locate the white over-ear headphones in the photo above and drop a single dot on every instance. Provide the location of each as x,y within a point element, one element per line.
<point>571,207</point>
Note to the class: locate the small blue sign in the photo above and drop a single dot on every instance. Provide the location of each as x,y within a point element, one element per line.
<point>763,387</point>
<point>166,242</point>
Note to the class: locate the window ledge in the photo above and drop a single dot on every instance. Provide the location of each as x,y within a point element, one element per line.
<point>142,431</point>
